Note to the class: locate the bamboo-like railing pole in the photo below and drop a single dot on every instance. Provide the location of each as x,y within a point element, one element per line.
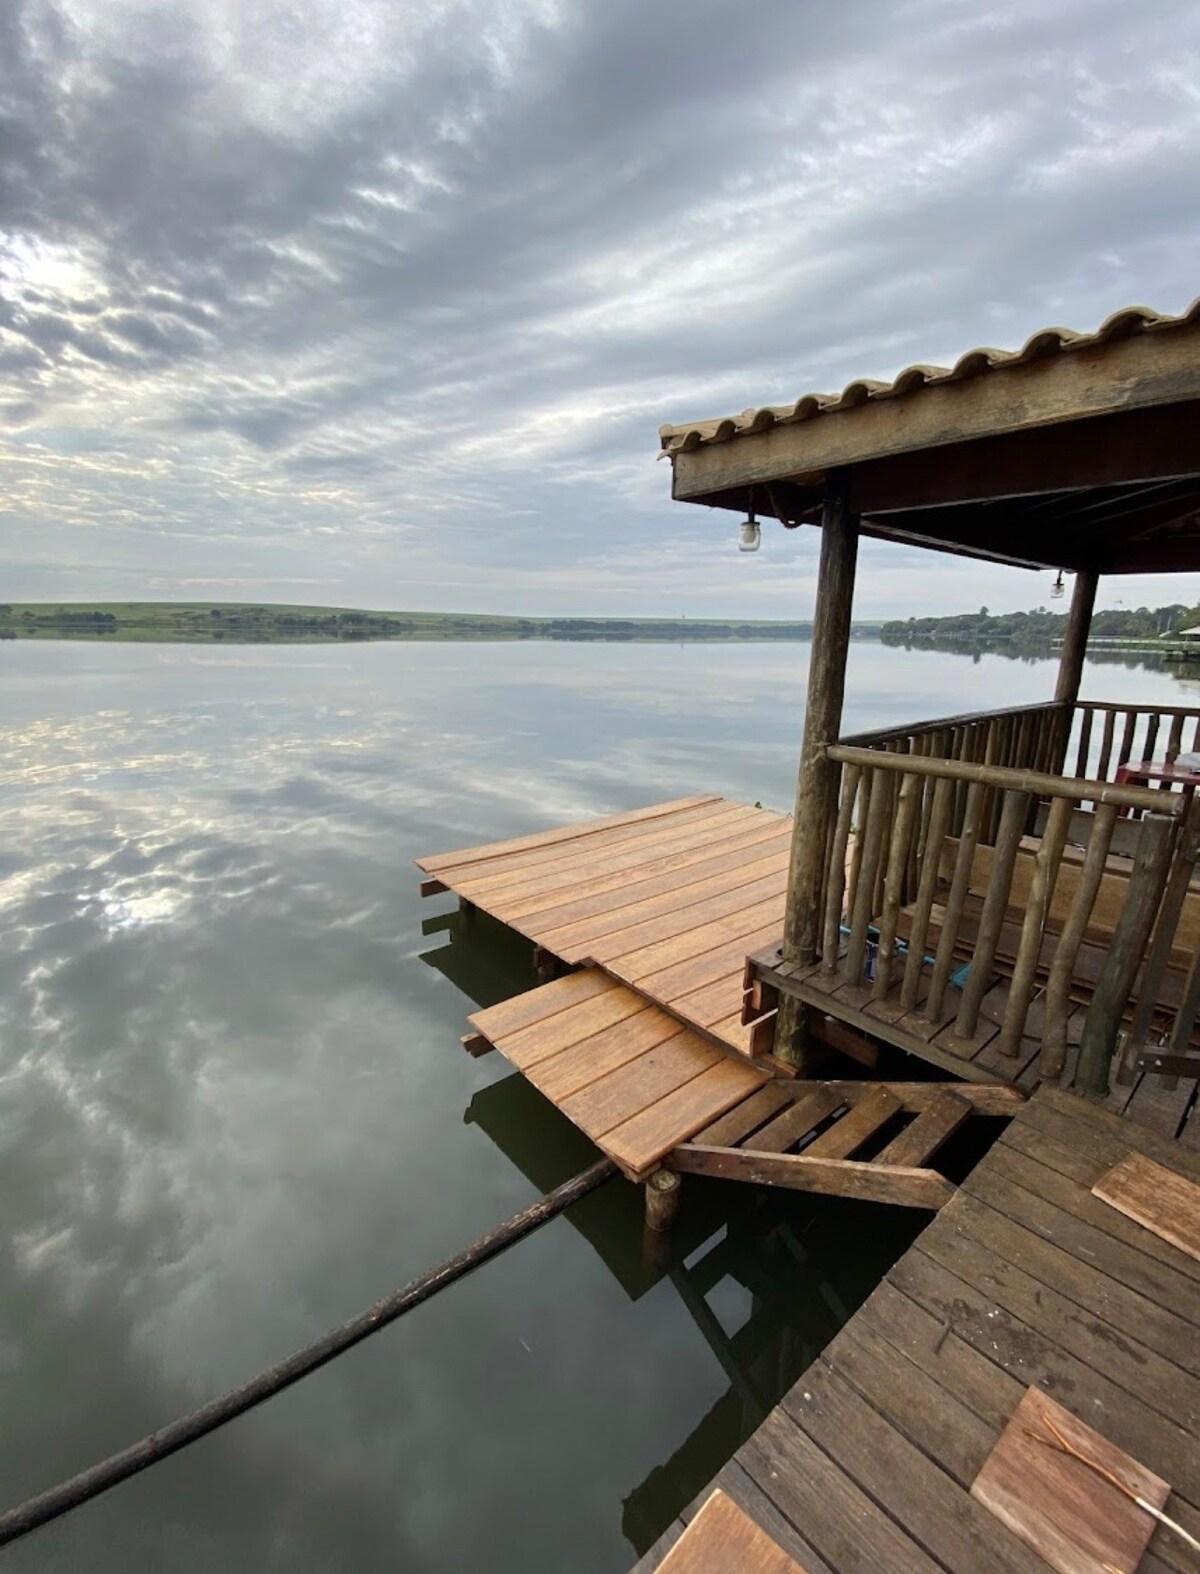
<point>968,840</point>
<point>835,888</point>
<point>931,857</point>
<point>991,919</point>
<point>1125,954</point>
<point>864,895</point>
<point>1058,989</point>
<point>907,804</point>
<point>1106,744</point>
<point>1041,886</point>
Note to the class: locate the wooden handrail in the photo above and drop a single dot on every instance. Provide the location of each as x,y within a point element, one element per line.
<point>937,723</point>
<point>1006,779</point>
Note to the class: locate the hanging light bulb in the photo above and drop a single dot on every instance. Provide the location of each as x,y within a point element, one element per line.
<point>749,534</point>
<point>1058,589</point>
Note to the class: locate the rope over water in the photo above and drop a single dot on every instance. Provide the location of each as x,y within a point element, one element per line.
<point>110,1472</point>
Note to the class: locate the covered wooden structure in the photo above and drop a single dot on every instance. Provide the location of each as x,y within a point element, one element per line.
<point>989,884</point>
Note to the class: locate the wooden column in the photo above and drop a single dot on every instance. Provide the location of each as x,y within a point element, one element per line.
<point>1079,620</point>
<point>822,722</point>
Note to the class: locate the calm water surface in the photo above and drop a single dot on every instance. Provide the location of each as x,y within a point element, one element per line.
<point>233,1109</point>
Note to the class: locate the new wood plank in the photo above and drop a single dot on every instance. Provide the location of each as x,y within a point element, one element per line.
<point>641,1142</point>
<point>505,869</point>
<point>723,1539</point>
<point>433,862</point>
<point>671,983</point>
<point>1165,1202</point>
<point>751,855</point>
<point>641,963</point>
<point>625,1092</point>
<point>656,919</point>
<point>510,1016</point>
<point>524,894</point>
<point>592,1058</point>
<point>551,1036</point>
<point>924,1136</point>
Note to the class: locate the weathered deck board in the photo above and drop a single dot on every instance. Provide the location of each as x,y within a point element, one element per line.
<point>630,1076</point>
<point>1024,1277</point>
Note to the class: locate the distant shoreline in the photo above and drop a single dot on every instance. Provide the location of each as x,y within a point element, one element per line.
<point>193,622</point>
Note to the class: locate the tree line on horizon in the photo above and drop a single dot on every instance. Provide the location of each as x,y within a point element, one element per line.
<point>1039,628</point>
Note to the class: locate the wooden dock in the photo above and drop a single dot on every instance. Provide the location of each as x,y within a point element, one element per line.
<point>1024,1278</point>
<point>669,900</point>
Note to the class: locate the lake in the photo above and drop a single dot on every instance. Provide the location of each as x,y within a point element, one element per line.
<point>234,1110</point>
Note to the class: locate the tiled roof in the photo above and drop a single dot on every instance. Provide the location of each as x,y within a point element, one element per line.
<point>1046,342</point>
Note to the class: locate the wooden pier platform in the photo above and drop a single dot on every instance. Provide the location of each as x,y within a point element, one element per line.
<point>669,900</point>
<point>1024,1278</point>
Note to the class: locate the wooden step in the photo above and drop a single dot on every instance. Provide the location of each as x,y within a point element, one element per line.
<point>919,1140</point>
<point>849,1133</point>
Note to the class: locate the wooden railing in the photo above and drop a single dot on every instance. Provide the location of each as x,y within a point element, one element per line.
<point>943,841</point>
<point>1104,736</point>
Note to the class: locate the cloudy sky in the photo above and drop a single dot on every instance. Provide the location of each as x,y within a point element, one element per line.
<point>381,302</point>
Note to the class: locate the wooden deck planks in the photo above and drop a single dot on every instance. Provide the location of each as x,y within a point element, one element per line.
<point>630,1076</point>
<point>668,900</point>
<point>1024,1277</point>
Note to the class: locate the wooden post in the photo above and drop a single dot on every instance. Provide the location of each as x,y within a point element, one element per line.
<point>1070,663</point>
<point>662,1200</point>
<point>822,722</point>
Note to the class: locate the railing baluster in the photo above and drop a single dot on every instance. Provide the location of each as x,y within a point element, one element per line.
<point>835,889</point>
<point>930,859</point>
<point>1085,739</point>
<point>1106,744</point>
<point>1062,970</point>
<point>968,841</point>
<point>866,785</point>
<point>1151,736</point>
<point>1041,886</point>
<point>1131,719</point>
<point>995,902</point>
<point>907,803</point>
<point>1124,954</point>
<point>1175,740</point>
<point>860,917</point>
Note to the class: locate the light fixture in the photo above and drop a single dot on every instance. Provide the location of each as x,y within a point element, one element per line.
<point>749,534</point>
<point>1058,589</point>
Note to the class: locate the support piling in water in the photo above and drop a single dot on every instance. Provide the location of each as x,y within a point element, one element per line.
<point>662,1200</point>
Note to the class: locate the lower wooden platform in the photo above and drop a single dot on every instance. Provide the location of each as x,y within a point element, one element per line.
<point>630,1076</point>
<point>1024,1277</point>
